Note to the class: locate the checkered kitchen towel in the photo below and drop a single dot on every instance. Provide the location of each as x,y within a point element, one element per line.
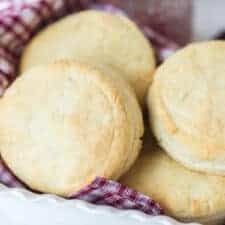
<point>19,20</point>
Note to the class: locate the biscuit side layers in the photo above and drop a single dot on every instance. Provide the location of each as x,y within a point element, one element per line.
<point>184,194</point>
<point>187,106</point>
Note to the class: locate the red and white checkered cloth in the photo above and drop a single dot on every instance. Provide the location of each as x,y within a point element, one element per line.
<point>19,20</point>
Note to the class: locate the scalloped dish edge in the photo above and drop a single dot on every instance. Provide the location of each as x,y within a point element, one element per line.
<point>25,195</point>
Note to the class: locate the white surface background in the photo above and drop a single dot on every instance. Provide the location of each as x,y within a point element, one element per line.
<point>209,18</point>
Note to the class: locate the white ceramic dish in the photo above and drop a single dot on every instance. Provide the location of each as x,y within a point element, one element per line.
<point>21,207</point>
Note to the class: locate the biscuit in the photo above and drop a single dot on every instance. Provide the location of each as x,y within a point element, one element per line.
<point>64,124</point>
<point>96,38</point>
<point>187,106</point>
<point>184,194</point>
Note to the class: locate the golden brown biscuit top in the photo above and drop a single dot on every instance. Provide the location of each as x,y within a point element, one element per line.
<point>187,99</point>
<point>63,124</point>
<point>96,38</point>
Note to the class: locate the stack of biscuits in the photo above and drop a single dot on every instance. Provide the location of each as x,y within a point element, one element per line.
<point>76,112</point>
<point>186,105</point>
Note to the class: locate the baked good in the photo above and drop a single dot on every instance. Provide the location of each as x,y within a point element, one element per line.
<point>187,106</point>
<point>64,124</point>
<point>96,38</point>
<point>184,194</point>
